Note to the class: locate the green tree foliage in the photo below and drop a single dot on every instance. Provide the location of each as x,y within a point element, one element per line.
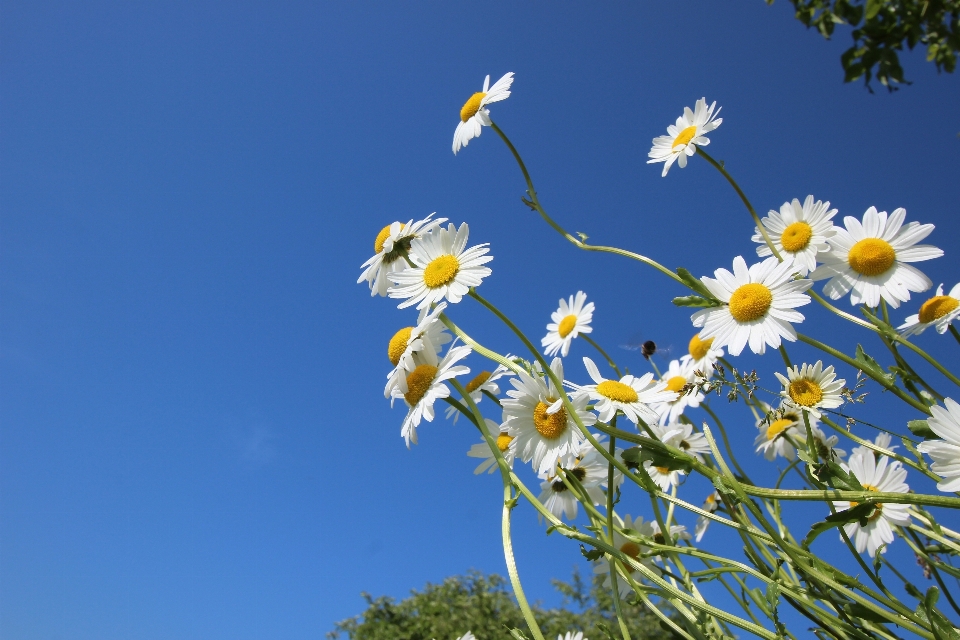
<point>482,604</point>
<point>881,28</point>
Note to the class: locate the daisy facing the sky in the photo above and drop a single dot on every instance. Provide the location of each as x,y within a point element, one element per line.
<point>939,311</point>
<point>869,259</point>
<point>945,453</point>
<point>631,396</point>
<point>389,247</point>
<point>778,434</point>
<point>570,320</point>
<point>811,388</point>
<point>683,137</point>
<point>474,115</point>
<point>678,374</point>
<point>702,356</point>
<point>423,341</point>
<point>758,306</point>
<point>799,232</point>
<point>425,386</point>
<point>443,268</point>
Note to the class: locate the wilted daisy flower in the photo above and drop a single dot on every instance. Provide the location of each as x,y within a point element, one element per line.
<point>778,434</point>
<point>534,414</point>
<point>682,138</point>
<point>391,244</point>
<point>631,396</point>
<point>590,469</point>
<point>483,381</point>
<point>882,475</point>
<point>679,373</point>
<point>444,268</point>
<point>710,505</point>
<point>870,259</point>
<point>473,115</point>
<point>811,387</point>
<point>940,310</point>
<point>425,341</point>
<point>702,355</point>
<point>758,307</point>
<point>425,386</point>
<point>945,453</point>
<point>505,443</point>
<point>569,321</point>
<point>799,232</point>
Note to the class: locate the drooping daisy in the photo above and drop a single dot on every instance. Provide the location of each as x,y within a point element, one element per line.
<point>629,546</point>
<point>425,341</point>
<point>569,321</point>
<point>444,268</point>
<point>883,475</point>
<point>679,436</point>
<point>758,307</point>
<point>940,311</point>
<point>505,443</point>
<point>869,259</point>
<point>679,373</point>
<point>710,505</point>
<point>590,470</point>
<point>778,434</point>
<point>631,396</point>
<point>483,381</point>
<point>473,115</point>
<point>799,232</point>
<point>425,386</point>
<point>534,414</point>
<point>702,355</point>
<point>945,453</point>
<point>391,244</point>
<point>811,388</point>
<point>682,138</point>
<point>826,445</point>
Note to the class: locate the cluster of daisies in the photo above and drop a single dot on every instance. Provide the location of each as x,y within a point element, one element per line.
<point>570,635</point>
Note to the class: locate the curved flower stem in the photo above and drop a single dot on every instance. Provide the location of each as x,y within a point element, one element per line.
<point>476,346</point>
<point>873,447</point>
<point>726,441</point>
<point>954,332</point>
<point>613,365</point>
<point>926,356</point>
<point>613,570</point>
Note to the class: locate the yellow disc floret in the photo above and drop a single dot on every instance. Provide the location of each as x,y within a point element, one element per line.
<point>398,344</point>
<point>871,256</point>
<point>549,425</point>
<point>937,307</point>
<point>631,549</point>
<point>471,106</point>
<point>474,384</point>
<point>566,325</point>
<point>676,383</point>
<point>418,383</point>
<point>441,270</point>
<point>777,427</point>
<point>750,302</point>
<point>805,393</point>
<point>617,391</point>
<point>796,236</point>
<point>503,441</point>
<point>684,137</point>
<point>381,238</point>
<point>699,348</point>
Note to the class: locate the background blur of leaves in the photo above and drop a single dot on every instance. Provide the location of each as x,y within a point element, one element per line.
<point>881,28</point>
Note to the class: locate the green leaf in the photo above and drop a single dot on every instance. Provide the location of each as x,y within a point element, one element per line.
<point>694,283</point>
<point>831,473</point>
<point>695,301</point>
<point>873,8</point>
<point>858,610</point>
<point>591,554</point>
<point>921,428</point>
<point>859,513</point>
<point>869,365</point>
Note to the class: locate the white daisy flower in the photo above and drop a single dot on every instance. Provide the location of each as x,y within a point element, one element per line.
<point>425,340</point>
<point>534,414</point>
<point>940,311</point>
<point>473,115</point>
<point>571,636</point>
<point>682,138</point>
<point>758,307</point>
<point>679,373</point>
<point>631,396</point>
<point>884,475</point>
<point>945,453</point>
<point>710,505</point>
<point>883,440</point>
<point>702,356</point>
<point>569,321</point>
<point>467,636</point>
<point>826,445</point>
<point>778,435</point>
<point>425,386</point>
<point>799,232</point>
<point>389,248</point>
<point>870,259</point>
<point>484,381</point>
<point>811,388</point>
<point>590,469</point>
<point>631,547</point>
<point>679,436</point>
<point>444,268</point>
<point>506,443</point>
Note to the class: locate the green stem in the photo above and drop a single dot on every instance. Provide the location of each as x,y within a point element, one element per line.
<point>726,441</point>
<point>954,332</point>
<point>613,365</point>
<point>611,473</point>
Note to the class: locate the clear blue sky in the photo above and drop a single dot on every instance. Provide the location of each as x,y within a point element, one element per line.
<point>193,442</point>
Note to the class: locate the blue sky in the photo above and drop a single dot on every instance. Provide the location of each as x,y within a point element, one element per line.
<point>194,441</point>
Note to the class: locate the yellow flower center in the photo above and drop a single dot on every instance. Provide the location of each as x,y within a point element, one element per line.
<point>676,383</point>
<point>937,307</point>
<point>631,549</point>
<point>471,106</point>
<point>381,238</point>
<point>777,427</point>
<point>441,270</point>
<point>398,344</point>
<point>805,393</point>
<point>567,325</point>
<point>503,441</point>
<point>871,256</point>
<point>750,302</point>
<point>684,137</point>
<point>418,383</point>
<point>549,425</point>
<point>796,236</point>
<point>663,471</point>
<point>474,384</point>
<point>699,348</point>
<point>617,391</point>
